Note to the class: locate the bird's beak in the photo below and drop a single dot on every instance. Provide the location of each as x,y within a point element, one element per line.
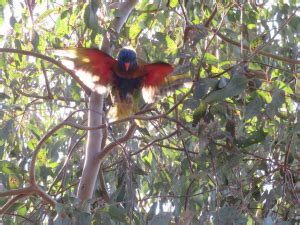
<point>127,64</point>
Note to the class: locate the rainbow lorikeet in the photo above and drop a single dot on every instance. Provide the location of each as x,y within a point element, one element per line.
<point>126,79</point>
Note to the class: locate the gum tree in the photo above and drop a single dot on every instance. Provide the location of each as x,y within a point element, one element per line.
<point>222,150</point>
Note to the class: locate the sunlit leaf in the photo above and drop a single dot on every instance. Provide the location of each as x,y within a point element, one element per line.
<point>42,17</point>
<point>210,58</point>
<point>9,168</point>
<point>171,45</point>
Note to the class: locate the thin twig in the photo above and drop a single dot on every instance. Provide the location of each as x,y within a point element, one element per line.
<point>51,60</point>
<point>123,139</point>
<point>66,162</point>
<point>46,80</point>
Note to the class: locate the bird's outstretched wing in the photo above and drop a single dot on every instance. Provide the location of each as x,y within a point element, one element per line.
<point>155,75</point>
<point>92,66</point>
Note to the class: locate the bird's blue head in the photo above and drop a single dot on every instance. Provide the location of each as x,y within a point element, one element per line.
<point>127,60</point>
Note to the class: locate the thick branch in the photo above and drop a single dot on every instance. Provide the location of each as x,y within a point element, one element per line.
<point>47,198</point>
<point>15,192</point>
<point>93,147</point>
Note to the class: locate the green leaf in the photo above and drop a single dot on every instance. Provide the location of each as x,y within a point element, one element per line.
<point>60,27</point>
<point>173,3</point>
<point>82,218</point>
<point>7,129</point>
<point>229,215</point>
<point>64,14</point>
<point>18,45</point>
<point>12,21</point>
<point>90,17</point>
<point>134,30</point>
<point>44,15</point>
<point>34,130</point>
<point>151,7</point>
<point>171,45</point>
<point>297,87</point>
<point>35,41</point>
<point>268,220</point>
<point>7,167</point>
<point>138,171</point>
<point>210,58</point>
<point>3,2</point>
<point>117,213</point>
<point>14,181</point>
<point>3,96</point>
<point>152,211</point>
<point>161,219</point>
<point>251,26</point>
<point>253,108</point>
<point>236,86</point>
<point>253,138</point>
<point>277,101</point>
<point>63,221</point>
<point>1,15</point>
<point>75,92</point>
<point>200,90</point>
<point>199,113</point>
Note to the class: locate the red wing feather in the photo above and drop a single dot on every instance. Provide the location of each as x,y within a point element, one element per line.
<point>92,66</point>
<point>156,73</point>
<point>155,76</point>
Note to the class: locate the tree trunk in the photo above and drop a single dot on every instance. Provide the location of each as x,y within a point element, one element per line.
<point>93,148</point>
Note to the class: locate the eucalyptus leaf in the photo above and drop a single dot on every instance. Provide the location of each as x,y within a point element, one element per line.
<point>235,86</point>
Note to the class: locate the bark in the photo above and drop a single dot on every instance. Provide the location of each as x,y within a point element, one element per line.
<point>91,164</point>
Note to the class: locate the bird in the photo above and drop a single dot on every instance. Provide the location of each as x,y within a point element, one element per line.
<point>124,77</point>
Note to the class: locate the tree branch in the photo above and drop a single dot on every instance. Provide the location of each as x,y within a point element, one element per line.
<point>121,140</point>
<point>51,60</point>
<point>16,192</point>
<point>277,57</point>
<point>11,202</point>
<point>49,134</point>
<point>46,80</point>
<point>49,97</point>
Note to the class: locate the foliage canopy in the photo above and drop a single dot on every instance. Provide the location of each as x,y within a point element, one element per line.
<point>224,151</point>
